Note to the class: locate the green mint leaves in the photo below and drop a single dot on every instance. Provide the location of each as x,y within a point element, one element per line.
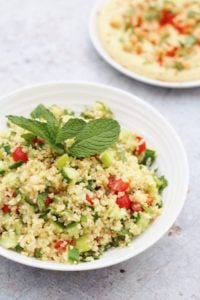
<point>70,130</point>
<point>37,128</point>
<point>89,138</point>
<point>95,137</point>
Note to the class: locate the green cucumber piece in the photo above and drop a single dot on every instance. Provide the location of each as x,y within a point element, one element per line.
<point>107,158</point>
<point>82,244</point>
<point>73,254</point>
<point>8,240</point>
<point>62,161</point>
<point>69,173</point>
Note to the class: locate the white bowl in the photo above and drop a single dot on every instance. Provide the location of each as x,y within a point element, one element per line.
<point>104,54</point>
<point>134,114</point>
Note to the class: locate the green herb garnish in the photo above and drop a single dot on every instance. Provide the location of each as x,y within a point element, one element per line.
<point>90,138</point>
<point>16,165</point>
<point>95,137</point>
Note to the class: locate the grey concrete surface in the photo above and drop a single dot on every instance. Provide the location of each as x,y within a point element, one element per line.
<point>47,40</point>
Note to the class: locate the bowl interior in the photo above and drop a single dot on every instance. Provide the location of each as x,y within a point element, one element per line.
<point>100,49</point>
<point>132,113</point>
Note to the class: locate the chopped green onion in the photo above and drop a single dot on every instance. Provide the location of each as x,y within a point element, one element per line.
<point>37,253</point>
<point>16,165</point>
<point>149,157</point>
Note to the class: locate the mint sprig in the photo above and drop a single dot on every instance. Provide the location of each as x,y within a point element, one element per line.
<point>70,130</point>
<point>40,129</point>
<point>95,137</point>
<point>90,138</point>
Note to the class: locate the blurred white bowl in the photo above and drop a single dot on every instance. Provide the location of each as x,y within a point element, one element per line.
<point>104,54</point>
<point>132,113</point>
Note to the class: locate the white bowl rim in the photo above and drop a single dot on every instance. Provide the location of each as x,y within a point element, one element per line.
<point>103,53</point>
<point>49,265</point>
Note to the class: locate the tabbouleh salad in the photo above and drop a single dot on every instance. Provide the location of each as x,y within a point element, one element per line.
<point>73,187</point>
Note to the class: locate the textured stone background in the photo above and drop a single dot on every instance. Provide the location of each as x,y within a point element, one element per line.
<point>47,40</point>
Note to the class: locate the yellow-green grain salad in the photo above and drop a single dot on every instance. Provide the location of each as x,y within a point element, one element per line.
<point>71,187</point>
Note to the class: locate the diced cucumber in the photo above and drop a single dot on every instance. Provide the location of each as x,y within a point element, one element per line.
<point>143,222</point>
<point>73,254</point>
<point>107,158</point>
<point>82,244</point>
<point>69,173</point>
<point>62,161</point>
<point>8,240</point>
<point>18,228</point>
<point>41,201</point>
<point>73,229</point>
<point>58,227</point>
<point>83,219</point>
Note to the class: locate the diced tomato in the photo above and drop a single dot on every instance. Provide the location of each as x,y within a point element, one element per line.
<point>14,194</point>
<point>61,245</point>
<point>48,201</point>
<point>160,59</point>
<point>139,21</point>
<point>182,29</point>
<point>172,52</point>
<point>124,201</point>
<point>18,154</point>
<point>149,201</point>
<point>37,140</point>
<point>89,199</point>
<point>141,145</point>
<point>136,22</point>
<point>167,17</point>
<point>136,206</point>
<point>117,185</point>
<point>6,209</point>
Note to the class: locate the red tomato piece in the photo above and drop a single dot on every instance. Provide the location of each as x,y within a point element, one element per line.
<point>6,209</point>
<point>48,201</point>
<point>124,201</point>
<point>139,21</point>
<point>89,199</point>
<point>37,140</point>
<point>160,59</point>
<point>14,194</point>
<point>172,52</point>
<point>149,201</point>
<point>167,17</point>
<point>141,145</point>
<point>60,245</point>
<point>18,154</point>
<point>117,185</point>
<point>136,206</point>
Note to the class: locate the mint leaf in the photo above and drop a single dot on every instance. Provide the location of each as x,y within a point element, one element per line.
<point>39,129</point>
<point>53,124</point>
<point>95,137</point>
<point>70,130</point>
<point>29,137</point>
